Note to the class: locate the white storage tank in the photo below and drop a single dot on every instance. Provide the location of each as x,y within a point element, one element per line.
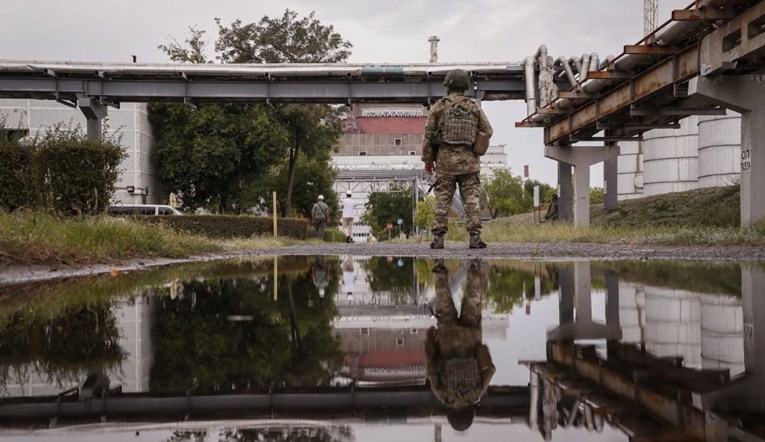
<point>673,324</point>
<point>722,333</point>
<point>630,170</point>
<point>671,158</point>
<point>719,149</point>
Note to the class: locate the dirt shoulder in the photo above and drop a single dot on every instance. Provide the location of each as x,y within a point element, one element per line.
<point>17,274</point>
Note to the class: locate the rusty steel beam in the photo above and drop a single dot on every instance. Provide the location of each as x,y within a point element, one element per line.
<point>611,139</point>
<point>678,111</point>
<point>650,50</point>
<point>529,124</point>
<point>678,68</point>
<point>577,94</point>
<point>610,75</point>
<point>702,14</point>
<point>668,409</point>
<point>639,126</point>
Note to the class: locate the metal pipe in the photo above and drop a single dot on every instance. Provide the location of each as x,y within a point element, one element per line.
<point>669,34</point>
<point>609,59</point>
<point>594,62</point>
<point>531,101</point>
<point>248,70</point>
<point>585,68</point>
<point>568,71</point>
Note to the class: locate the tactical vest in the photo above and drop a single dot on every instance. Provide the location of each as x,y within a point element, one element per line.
<point>460,122</point>
<point>462,375</point>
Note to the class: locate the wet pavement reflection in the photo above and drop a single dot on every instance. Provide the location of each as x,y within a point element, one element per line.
<point>334,348</point>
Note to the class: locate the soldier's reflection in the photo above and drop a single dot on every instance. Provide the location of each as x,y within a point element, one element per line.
<point>459,364</point>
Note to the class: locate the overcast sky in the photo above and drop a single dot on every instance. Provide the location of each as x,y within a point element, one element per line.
<point>381,31</point>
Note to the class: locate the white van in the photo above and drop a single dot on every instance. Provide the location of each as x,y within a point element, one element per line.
<point>143,209</point>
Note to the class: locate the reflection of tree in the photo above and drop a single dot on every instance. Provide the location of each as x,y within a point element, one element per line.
<point>506,288</point>
<point>384,276</point>
<point>81,339</point>
<point>700,277</point>
<point>230,334</point>
<point>335,433</point>
<point>190,436</point>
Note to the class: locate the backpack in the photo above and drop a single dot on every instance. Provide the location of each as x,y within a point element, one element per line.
<point>459,124</point>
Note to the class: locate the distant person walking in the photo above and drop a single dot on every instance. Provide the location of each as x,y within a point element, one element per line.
<point>347,219</point>
<point>456,134</point>
<point>552,211</point>
<point>319,217</point>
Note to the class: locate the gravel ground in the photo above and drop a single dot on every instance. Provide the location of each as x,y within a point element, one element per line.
<point>16,274</point>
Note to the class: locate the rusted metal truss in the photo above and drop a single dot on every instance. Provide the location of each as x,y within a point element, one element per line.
<point>675,69</point>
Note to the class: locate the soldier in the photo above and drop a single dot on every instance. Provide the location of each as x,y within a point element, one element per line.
<point>454,125</point>
<point>552,211</point>
<point>459,364</point>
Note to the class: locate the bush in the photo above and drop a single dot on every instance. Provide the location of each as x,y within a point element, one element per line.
<point>77,173</point>
<point>232,226</point>
<point>62,170</point>
<point>17,177</point>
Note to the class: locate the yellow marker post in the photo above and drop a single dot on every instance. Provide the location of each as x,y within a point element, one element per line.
<point>275,231</point>
<point>276,278</point>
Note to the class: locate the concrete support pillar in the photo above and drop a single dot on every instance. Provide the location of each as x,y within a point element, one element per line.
<point>610,179</point>
<point>612,300</point>
<point>576,287</point>
<point>746,95</point>
<point>564,199</point>
<point>583,292</point>
<point>94,113</point>
<point>581,157</point>
<point>746,393</point>
<point>566,288</point>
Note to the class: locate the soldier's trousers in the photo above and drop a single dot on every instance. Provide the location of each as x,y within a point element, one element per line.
<point>470,192</point>
<point>446,311</point>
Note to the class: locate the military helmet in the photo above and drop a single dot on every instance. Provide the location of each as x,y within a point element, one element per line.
<point>457,79</point>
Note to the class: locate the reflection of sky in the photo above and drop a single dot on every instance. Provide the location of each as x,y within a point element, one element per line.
<point>526,337</point>
<point>418,430</point>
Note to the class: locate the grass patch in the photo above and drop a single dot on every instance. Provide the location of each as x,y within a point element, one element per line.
<point>35,237</point>
<point>703,217</point>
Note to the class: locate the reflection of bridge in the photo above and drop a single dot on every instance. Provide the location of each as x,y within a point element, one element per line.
<point>306,403</point>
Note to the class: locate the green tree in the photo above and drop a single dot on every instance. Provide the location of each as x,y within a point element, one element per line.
<point>387,208</point>
<point>215,158</point>
<point>545,190</point>
<point>504,195</point>
<point>208,156</point>
<point>597,195</point>
<point>290,39</point>
<point>313,177</point>
<point>426,213</point>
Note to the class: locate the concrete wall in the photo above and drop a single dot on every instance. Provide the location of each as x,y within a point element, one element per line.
<point>130,122</point>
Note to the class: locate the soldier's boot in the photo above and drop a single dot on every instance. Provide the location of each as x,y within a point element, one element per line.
<point>475,241</point>
<point>438,241</point>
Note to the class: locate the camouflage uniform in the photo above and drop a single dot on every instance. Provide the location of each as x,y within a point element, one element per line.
<point>455,165</point>
<point>458,342</point>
